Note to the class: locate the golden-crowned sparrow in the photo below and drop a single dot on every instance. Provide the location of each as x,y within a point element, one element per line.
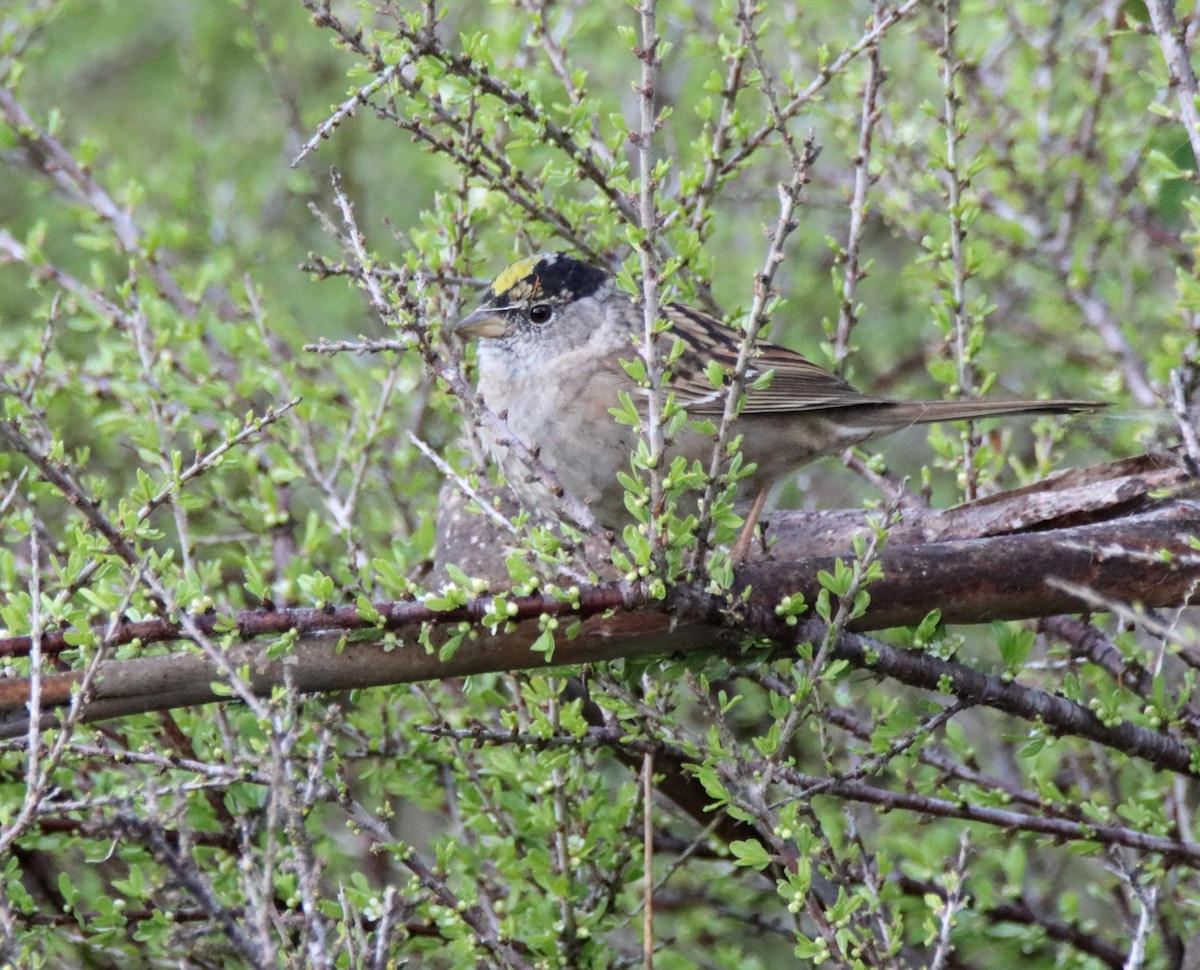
<point>553,332</point>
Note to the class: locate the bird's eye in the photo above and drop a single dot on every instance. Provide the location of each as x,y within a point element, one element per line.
<point>540,313</point>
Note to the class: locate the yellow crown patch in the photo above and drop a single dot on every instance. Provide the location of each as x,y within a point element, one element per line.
<point>510,276</point>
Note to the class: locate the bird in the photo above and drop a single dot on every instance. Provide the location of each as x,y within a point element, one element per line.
<point>552,331</point>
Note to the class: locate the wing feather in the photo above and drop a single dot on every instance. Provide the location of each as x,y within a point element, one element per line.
<point>797,385</point>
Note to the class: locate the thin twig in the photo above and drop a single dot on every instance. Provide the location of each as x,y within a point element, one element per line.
<point>1172,38</point>
<point>415,336</point>
<point>643,141</point>
<point>1185,420</point>
<point>950,905</point>
<point>648,857</point>
<point>956,181</point>
<point>850,255</point>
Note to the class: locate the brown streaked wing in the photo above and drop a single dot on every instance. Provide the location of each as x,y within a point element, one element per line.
<point>798,384</point>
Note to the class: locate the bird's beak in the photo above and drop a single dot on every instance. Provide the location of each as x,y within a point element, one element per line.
<point>484,322</point>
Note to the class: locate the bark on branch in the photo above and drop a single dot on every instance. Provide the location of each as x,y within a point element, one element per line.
<point>1126,531</point>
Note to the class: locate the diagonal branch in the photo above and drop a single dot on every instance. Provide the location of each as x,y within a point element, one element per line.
<point>1146,555</point>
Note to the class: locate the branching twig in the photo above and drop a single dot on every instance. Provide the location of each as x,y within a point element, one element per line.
<point>951,903</point>
<point>48,155</point>
<point>878,29</point>
<point>408,318</point>
<point>436,886</point>
<point>785,224</point>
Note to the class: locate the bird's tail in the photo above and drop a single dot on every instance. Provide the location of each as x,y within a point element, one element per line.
<point>927,412</point>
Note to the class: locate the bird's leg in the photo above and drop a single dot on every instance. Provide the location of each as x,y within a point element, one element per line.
<point>741,548</point>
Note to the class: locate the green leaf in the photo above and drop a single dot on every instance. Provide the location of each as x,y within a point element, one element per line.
<point>715,374</point>
<point>544,645</point>
<point>1015,643</point>
<point>750,853</point>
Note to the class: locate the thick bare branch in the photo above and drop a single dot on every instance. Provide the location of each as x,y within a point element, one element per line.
<point>1145,556</point>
